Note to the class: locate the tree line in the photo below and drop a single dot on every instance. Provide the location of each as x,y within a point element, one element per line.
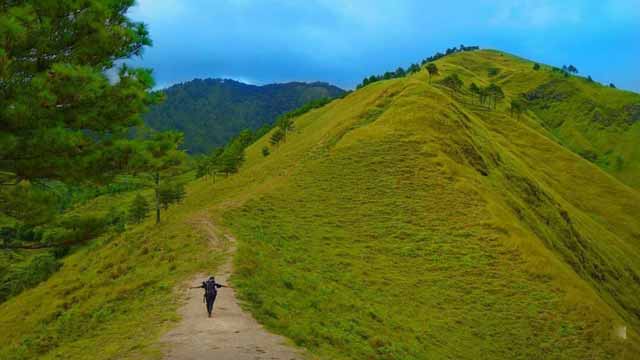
<point>414,68</point>
<point>489,95</point>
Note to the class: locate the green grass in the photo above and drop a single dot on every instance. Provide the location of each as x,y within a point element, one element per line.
<point>383,238</point>
<point>589,118</point>
<point>400,222</point>
<point>113,298</point>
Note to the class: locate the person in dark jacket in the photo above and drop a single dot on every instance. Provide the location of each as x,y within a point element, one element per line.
<point>210,287</point>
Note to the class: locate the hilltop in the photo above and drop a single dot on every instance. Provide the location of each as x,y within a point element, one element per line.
<point>405,220</point>
<point>210,111</point>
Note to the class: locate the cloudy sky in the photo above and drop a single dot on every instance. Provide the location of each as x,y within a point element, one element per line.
<point>342,41</point>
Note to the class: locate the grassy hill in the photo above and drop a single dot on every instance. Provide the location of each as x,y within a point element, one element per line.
<point>210,111</point>
<point>403,221</point>
<point>599,123</point>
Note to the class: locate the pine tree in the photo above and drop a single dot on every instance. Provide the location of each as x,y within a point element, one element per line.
<point>157,160</point>
<point>61,117</point>
<point>139,209</point>
<point>276,137</point>
<point>453,82</point>
<point>432,69</point>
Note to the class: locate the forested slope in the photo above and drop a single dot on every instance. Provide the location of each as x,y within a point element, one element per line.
<point>209,112</point>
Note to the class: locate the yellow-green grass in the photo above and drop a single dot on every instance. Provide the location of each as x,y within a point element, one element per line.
<point>112,298</point>
<point>407,222</point>
<point>401,222</point>
<point>590,118</point>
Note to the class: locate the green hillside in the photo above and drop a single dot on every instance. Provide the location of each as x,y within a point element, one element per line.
<point>210,111</point>
<point>404,221</point>
<point>595,121</point>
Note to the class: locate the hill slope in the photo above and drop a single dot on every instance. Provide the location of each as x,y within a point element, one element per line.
<point>402,221</point>
<point>427,226</point>
<point>211,111</point>
<point>595,121</point>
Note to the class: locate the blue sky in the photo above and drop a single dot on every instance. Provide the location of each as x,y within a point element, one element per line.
<point>265,41</point>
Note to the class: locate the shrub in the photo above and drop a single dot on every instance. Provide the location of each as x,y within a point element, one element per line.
<point>139,209</point>
<point>493,72</point>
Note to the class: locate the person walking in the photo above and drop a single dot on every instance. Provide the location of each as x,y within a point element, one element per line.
<point>210,287</point>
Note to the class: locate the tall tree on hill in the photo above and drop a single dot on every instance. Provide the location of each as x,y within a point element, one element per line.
<point>475,90</point>
<point>60,115</point>
<point>495,92</point>
<point>432,69</point>
<point>139,209</point>
<point>414,68</point>
<point>453,82</point>
<point>517,107</point>
<point>285,124</point>
<point>157,161</point>
<point>276,137</point>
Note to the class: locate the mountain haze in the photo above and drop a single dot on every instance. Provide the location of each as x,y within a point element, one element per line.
<point>210,111</point>
<point>403,221</point>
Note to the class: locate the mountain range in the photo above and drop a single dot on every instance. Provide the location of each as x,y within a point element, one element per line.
<point>210,111</point>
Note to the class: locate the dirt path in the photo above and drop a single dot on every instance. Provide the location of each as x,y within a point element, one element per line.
<point>231,333</point>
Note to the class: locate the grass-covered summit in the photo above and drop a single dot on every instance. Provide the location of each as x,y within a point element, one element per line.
<point>404,221</point>
<point>408,221</point>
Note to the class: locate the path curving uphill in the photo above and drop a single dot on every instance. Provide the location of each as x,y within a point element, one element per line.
<point>231,333</point>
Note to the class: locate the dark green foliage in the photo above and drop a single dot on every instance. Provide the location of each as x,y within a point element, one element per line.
<point>229,158</point>
<point>453,82</point>
<point>493,71</point>
<point>495,93</point>
<point>518,107</point>
<point>171,193</point>
<point>62,118</point>
<point>564,71</point>
<point>265,151</point>
<point>475,90</point>
<point>210,112</point>
<point>414,68</point>
<point>139,209</point>
<point>116,218</point>
<point>536,66</point>
<point>157,160</point>
<point>276,137</point>
<point>571,69</point>
<point>589,155</point>
<point>285,124</point>
<point>589,79</point>
<point>432,69</point>
<point>28,203</point>
<point>27,274</point>
<point>612,85</point>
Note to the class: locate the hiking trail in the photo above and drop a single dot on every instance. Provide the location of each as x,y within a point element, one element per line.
<point>230,333</point>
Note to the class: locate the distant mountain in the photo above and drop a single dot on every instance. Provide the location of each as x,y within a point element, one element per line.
<point>211,111</point>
